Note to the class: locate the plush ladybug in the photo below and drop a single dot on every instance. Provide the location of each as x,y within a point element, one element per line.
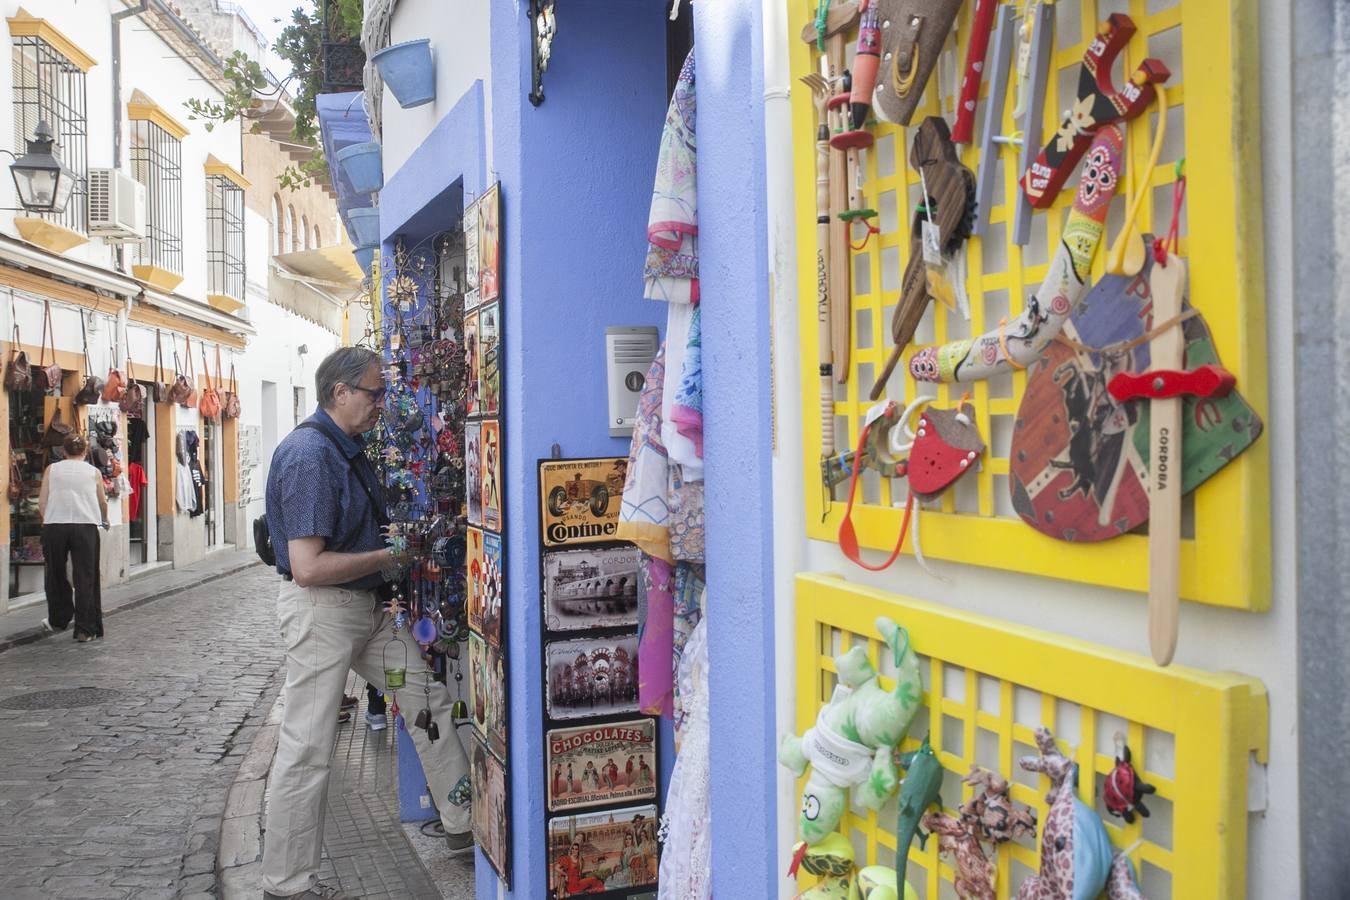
<point>1123,791</point>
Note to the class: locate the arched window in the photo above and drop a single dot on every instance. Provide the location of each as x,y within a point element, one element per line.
<point>277,236</point>
<point>292,237</point>
<point>304,230</point>
<point>318,240</point>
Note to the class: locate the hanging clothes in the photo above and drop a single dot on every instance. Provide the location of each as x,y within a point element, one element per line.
<point>671,268</point>
<point>135,476</point>
<point>198,478</point>
<point>686,827</point>
<point>185,493</point>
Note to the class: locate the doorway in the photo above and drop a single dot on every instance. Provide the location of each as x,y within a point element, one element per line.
<point>212,493</point>
<point>142,525</point>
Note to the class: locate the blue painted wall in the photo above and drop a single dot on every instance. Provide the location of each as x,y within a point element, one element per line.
<point>576,176</point>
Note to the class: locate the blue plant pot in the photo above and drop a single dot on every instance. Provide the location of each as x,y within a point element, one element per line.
<point>364,225</point>
<point>365,258</point>
<point>409,71</point>
<point>362,164</point>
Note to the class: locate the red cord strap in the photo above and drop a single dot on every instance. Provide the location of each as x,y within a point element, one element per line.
<point>848,538</point>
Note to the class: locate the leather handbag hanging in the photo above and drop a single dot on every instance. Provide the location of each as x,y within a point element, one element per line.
<point>116,384</point>
<point>181,392</point>
<point>231,407</point>
<point>15,488</point>
<point>48,375</point>
<point>159,389</point>
<point>209,402</point>
<point>93,385</point>
<point>18,371</point>
<point>56,431</point>
<point>133,398</point>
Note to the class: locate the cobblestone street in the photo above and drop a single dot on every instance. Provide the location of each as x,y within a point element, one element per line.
<point>123,798</point>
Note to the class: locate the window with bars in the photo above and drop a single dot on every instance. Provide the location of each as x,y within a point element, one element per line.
<point>156,162</point>
<point>49,88</point>
<point>224,237</point>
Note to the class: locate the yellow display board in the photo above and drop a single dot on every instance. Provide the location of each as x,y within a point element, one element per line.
<point>987,687</point>
<point>1213,122</point>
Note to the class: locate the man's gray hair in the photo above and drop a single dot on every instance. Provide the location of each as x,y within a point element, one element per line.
<point>345,365</point>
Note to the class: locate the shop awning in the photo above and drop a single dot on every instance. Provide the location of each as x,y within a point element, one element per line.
<point>333,266</point>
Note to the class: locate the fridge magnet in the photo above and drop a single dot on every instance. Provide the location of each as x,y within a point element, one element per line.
<point>491,813</point>
<point>473,567</point>
<point>580,499</point>
<point>586,589</point>
<point>487,687</point>
<point>592,765</point>
<point>591,677</point>
<point>602,851</point>
<point>472,365</point>
<point>492,589</point>
<point>492,475</point>
<point>489,272</point>
<point>473,472</point>
<point>489,372</point>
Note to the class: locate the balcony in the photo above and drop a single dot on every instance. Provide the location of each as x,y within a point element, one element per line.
<point>343,59</point>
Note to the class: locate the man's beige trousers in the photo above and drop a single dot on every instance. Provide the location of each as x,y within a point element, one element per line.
<point>328,631</point>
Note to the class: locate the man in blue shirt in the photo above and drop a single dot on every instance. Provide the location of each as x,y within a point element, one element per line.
<point>325,507</point>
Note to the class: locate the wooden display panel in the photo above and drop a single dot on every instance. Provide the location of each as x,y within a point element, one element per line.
<point>1213,122</point>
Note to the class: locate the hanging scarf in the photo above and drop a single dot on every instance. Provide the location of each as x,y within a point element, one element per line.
<point>671,269</point>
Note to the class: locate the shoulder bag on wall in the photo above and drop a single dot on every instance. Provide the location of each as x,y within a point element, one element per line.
<point>18,371</point>
<point>133,398</point>
<point>159,389</point>
<point>56,431</point>
<point>209,403</point>
<point>231,407</point>
<point>181,392</point>
<point>93,385</point>
<point>48,375</point>
<point>116,384</point>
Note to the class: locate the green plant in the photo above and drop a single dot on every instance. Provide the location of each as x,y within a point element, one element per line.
<point>300,44</point>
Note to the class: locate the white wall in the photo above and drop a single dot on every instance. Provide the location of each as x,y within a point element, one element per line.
<point>460,45</point>
<point>1259,645</point>
<point>150,65</point>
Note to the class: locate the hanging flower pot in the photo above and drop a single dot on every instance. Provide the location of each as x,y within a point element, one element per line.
<point>362,164</point>
<point>409,71</point>
<point>365,257</point>
<point>364,226</point>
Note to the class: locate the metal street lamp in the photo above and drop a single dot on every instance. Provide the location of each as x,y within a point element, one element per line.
<point>43,182</point>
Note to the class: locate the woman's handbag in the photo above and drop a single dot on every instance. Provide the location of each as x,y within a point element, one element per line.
<point>18,371</point>
<point>115,384</point>
<point>159,389</point>
<point>209,402</point>
<point>181,392</point>
<point>48,375</point>
<point>56,432</point>
<point>133,398</point>
<point>230,408</point>
<point>93,386</point>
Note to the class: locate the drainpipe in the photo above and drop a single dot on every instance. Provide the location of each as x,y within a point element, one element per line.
<point>119,257</point>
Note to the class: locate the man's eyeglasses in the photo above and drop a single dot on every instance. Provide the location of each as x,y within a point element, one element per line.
<point>376,394</point>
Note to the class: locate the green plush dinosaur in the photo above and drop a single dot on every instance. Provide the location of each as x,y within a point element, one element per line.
<point>919,790</point>
<point>854,736</point>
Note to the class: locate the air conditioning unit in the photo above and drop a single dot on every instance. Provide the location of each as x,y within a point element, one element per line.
<point>116,205</point>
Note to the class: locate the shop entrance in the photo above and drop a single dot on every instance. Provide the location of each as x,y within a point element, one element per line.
<point>142,522</point>
<point>212,495</point>
<point>26,425</point>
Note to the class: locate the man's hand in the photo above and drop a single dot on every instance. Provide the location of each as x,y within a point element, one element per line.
<point>313,566</point>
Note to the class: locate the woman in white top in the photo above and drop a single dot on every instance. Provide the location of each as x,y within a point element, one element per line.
<point>73,506</point>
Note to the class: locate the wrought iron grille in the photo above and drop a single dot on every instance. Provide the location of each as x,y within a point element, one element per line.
<point>49,88</point>
<point>156,163</point>
<point>224,237</point>
<point>344,62</point>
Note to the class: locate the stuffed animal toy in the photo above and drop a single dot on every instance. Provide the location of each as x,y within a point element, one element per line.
<point>958,837</point>
<point>851,745</point>
<point>1123,793</point>
<point>1077,859</point>
<point>878,883</point>
<point>832,862</point>
<point>923,781</point>
<point>998,821</point>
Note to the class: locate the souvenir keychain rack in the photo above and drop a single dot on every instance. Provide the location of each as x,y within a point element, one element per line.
<point>1213,123</point>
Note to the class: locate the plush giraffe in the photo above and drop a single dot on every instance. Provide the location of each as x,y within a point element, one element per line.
<point>1077,859</point>
<point>958,836</point>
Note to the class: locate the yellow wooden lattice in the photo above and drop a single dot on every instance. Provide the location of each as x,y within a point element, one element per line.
<point>1225,555</point>
<point>987,687</point>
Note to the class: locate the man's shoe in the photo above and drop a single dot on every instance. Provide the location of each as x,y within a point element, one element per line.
<point>377,721</point>
<point>82,638</point>
<point>49,628</point>
<point>459,842</point>
<point>344,716</point>
<point>317,892</point>
<point>348,701</point>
